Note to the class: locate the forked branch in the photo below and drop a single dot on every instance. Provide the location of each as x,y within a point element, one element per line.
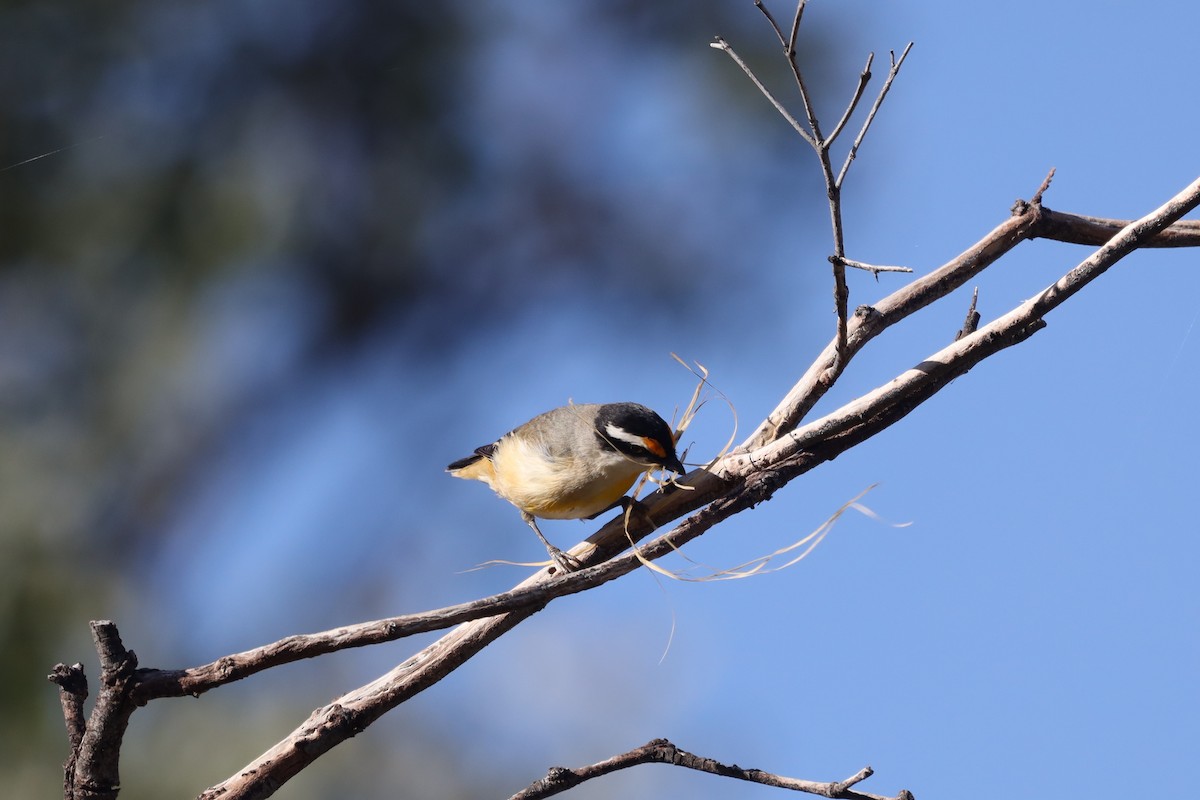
<point>893,71</point>
<point>810,131</point>
<point>661,751</point>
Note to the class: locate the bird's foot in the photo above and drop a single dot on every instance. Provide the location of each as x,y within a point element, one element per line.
<point>564,561</point>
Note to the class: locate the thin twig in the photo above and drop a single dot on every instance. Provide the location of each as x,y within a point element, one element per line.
<point>791,42</point>
<point>876,268</point>
<point>720,44</point>
<point>841,786</point>
<point>821,145</point>
<point>814,125</point>
<point>661,751</point>
<point>841,290</point>
<point>774,25</point>
<point>1037,196</point>
<point>971,323</point>
<point>887,84</point>
<point>864,78</point>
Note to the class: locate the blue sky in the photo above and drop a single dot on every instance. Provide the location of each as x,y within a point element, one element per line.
<point>1035,625</point>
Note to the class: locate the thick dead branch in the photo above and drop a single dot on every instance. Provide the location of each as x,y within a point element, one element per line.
<point>92,770</point>
<point>661,751</point>
<point>1077,229</point>
<point>351,713</point>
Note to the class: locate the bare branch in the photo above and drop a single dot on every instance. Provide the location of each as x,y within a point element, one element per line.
<point>350,714</point>
<point>528,595</point>
<point>72,692</point>
<point>971,323</point>
<point>841,295</point>
<point>1129,238</point>
<point>721,44</point>
<point>817,141</point>
<point>774,25</point>
<point>1078,229</point>
<point>1015,326</point>
<point>864,78</point>
<point>1028,222</point>
<point>791,42</point>
<point>661,751</point>
<point>1037,196</point>
<point>96,771</point>
<point>876,268</point>
<point>870,321</point>
<point>887,84</point>
<point>821,145</point>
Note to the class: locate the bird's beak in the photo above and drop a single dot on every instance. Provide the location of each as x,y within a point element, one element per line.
<point>675,465</point>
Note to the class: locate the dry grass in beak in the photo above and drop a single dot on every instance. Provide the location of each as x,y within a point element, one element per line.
<point>695,404</point>
<point>693,407</point>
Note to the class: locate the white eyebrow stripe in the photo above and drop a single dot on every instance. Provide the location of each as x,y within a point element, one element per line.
<point>617,432</point>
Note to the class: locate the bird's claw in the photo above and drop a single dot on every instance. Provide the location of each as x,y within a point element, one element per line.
<point>564,561</point>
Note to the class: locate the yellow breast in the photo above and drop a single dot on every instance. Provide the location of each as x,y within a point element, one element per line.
<point>525,475</point>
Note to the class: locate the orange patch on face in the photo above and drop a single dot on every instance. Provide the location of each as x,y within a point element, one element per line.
<point>654,447</point>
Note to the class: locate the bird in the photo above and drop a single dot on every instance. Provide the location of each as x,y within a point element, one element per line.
<point>572,462</point>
